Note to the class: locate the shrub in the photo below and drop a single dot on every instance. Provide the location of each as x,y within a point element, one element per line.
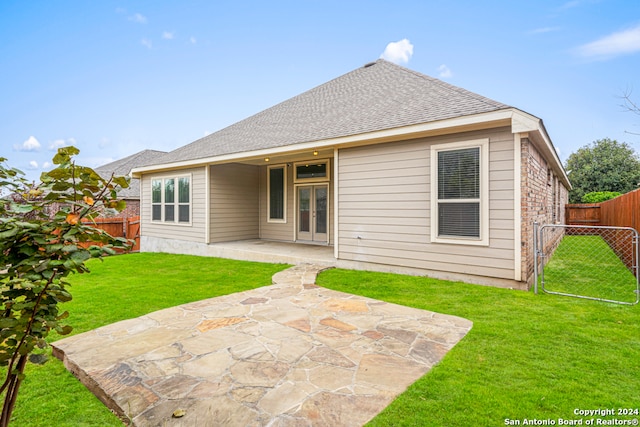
<point>39,249</point>
<point>599,196</point>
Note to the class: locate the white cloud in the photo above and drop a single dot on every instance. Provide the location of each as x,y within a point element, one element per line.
<point>59,143</point>
<point>398,52</point>
<point>620,43</point>
<point>104,142</point>
<point>444,72</point>
<point>138,18</point>
<point>94,162</point>
<point>544,30</point>
<point>570,4</point>
<point>192,40</point>
<point>147,43</point>
<point>46,165</point>
<point>167,35</point>
<point>30,144</point>
<point>33,164</point>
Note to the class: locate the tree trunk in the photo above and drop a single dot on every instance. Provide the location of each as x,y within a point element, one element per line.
<point>12,392</point>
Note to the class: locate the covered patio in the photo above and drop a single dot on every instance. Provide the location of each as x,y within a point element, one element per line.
<point>274,252</point>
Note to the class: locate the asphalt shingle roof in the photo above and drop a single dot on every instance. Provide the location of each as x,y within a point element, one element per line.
<point>123,166</point>
<point>377,96</point>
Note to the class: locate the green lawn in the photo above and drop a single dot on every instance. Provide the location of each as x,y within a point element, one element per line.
<point>124,287</point>
<point>527,356</point>
<point>587,266</point>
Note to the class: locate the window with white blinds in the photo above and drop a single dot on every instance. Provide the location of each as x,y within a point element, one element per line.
<point>458,182</point>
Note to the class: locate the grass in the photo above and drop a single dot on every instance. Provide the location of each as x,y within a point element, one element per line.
<point>124,287</point>
<point>527,356</point>
<point>586,265</point>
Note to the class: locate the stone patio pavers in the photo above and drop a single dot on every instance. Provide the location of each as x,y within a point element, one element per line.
<point>289,354</point>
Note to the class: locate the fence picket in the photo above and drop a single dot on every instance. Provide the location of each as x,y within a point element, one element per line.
<point>120,227</point>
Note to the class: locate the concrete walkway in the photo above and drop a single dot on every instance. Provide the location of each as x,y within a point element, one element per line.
<point>289,354</point>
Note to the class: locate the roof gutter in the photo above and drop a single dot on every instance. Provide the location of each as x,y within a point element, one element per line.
<point>519,121</point>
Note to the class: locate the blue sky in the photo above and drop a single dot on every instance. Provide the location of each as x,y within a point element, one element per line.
<point>117,77</point>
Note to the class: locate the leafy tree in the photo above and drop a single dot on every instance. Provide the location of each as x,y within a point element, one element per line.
<point>39,249</point>
<point>604,165</point>
<point>599,196</point>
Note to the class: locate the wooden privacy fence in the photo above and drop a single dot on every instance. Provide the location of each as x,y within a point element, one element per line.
<point>583,214</point>
<point>623,211</point>
<point>128,228</point>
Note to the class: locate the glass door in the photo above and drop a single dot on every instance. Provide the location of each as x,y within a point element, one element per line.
<point>313,213</point>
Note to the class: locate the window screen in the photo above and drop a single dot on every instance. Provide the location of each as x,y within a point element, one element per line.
<point>171,197</point>
<point>276,193</point>
<point>459,192</point>
<point>156,200</point>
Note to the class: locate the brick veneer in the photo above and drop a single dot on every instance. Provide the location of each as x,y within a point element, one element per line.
<point>543,199</point>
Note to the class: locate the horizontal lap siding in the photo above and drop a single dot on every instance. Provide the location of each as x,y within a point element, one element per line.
<point>282,231</point>
<point>195,232</point>
<point>384,208</point>
<point>234,202</point>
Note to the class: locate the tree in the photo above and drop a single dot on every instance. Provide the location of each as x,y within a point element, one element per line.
<point>604,165</point>
<point>630,105</point>
<point>39,249</point>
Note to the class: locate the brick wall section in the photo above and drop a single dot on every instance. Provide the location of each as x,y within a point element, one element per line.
<point>132,209</point>
<point>543,199</point>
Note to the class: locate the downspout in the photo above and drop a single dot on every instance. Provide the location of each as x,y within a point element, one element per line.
<point>517,206</point>
<point>207,207</point>
<point>335,202</point>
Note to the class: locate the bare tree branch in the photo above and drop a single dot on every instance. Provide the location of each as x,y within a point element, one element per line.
<point>628,104</point>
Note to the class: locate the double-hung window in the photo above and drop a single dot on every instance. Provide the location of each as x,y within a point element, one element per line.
<point>171,199</point>
<point>459,193</point>
<point>277,193</point>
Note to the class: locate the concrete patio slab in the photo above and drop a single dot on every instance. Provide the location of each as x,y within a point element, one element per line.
<point>289,354</point>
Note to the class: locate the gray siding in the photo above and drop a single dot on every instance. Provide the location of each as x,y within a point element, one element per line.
<point>234,202</point>
<point>384,208</point>
<point>194,232</point>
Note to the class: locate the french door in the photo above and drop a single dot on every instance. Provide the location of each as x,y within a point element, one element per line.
<point>313,213</point>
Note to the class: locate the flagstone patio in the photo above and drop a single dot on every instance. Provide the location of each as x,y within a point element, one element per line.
<point>289,354</point>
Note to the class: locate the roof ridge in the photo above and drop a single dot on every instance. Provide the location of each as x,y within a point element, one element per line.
<point>447,85</point>
<point>379,95</point>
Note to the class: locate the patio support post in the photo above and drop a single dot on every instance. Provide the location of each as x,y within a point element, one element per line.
<point>535,257</point>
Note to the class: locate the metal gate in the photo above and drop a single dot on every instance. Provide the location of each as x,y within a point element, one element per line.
<point>598,263</point>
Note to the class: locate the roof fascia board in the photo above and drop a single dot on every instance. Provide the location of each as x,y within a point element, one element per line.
<point>526,123</point>
<point>520,122</point>
<point>457,124</point>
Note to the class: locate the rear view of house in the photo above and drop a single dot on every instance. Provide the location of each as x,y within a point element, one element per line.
<point>395,170</point>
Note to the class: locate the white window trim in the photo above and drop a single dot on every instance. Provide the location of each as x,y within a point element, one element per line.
<point>176,204</point>
<point>483,240</point>
<point>284,218</point>
<point>308,180</point>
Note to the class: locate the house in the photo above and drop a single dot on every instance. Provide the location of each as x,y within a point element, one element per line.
<point>123,167</point>
<point>395,170</point>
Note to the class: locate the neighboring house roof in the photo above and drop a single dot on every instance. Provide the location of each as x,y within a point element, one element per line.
<point>123,167</point>
<point>378,96</point>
